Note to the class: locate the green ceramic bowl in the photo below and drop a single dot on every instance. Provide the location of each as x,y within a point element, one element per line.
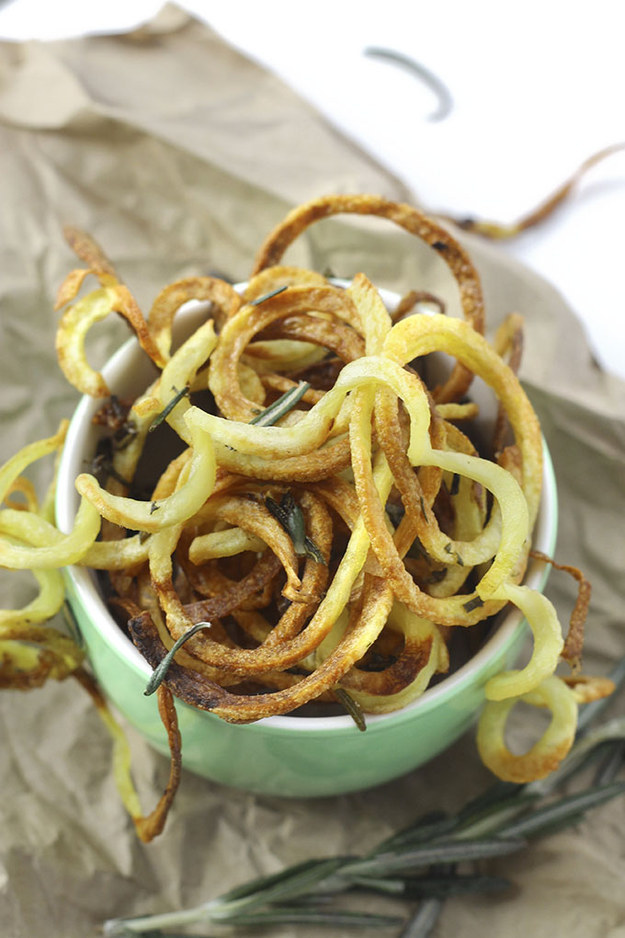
<point>292,756</point>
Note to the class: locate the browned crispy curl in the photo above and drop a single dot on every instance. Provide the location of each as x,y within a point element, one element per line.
<point>546,208</point>
<point>411,220</point>
<point>89,251</point>
<point>120,298</point>
<point>573,646</point>
<point>147,826</point>
<point>198,690</point>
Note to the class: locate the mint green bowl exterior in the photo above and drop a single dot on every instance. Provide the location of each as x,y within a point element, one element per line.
<point>287,756</point>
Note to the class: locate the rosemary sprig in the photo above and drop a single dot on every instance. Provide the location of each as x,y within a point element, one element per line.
<point>178,396</point>
<point>160,672</point>
<point>290,516</point>
<point>352,707</point>
<point>285,403</point>
<point>417,864</point>
<point>269,296</point>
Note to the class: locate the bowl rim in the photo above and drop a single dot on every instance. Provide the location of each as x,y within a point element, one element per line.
<point>86,591</point>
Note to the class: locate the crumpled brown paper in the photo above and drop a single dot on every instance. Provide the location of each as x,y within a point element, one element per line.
<point>178,154</point>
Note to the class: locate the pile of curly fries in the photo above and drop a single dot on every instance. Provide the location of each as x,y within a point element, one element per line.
<point>326,524</point>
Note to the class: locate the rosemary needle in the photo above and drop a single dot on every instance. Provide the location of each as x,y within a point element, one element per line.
<point>268,296</point>
<point>158,420</point>
<point>160,672</point>
<point>283,405</point>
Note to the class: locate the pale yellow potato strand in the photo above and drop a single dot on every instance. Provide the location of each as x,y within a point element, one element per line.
<point>515,516</point>
<point>251,385</point>
<point>375,318</point>
<point>227,543</point>
<point>24,487</point>
<point>419,335</point>
<point>67,549</point>
<point>468,523</point>
<point>282,355</point>
<point>355,554</point>
<point>548,643</point>
<point>197,480</point>
<point>13,467</point>
<point>101,555</point>
<point>161,547</point>
<point>505,488</point>
<point>513,506</point>
<point>141,416</point>
<point>123,554</point>
<point>181,370</point>
<point>70,341</point>
<point>467,411</point>
<point>311,431</point>
<point>545,755</point>
<point>312,427</point>
<point>17,656</point>
<point>46,604</point>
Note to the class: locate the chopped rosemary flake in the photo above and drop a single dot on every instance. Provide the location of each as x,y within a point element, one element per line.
<point>154,507</point>
<point>103,466</point>
<point>168,409</point>
<point>268,296</point>
<point>290,516</point>
<point>423,509</point>
<point>455,484</point>
<point>311,550</point>
<point>160,672</point>
<point>285,403</point>
<point>125,435</point>
<point>352,706</point>
<point>472,604</point>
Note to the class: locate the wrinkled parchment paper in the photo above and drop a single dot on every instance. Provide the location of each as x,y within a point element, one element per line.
<point>178,155</point>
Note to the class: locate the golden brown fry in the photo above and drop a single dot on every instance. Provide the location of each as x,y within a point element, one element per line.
<point>499,231</point>
<point>412,221</point>
<point>147,826</point>
<point>223,299</point>
<point>89,251</point>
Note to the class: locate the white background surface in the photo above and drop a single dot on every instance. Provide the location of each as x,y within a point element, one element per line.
<point>537,87</point>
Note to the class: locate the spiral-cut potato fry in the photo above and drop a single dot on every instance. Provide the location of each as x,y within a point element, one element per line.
<point>289,511</point>
<point>545,755</point>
